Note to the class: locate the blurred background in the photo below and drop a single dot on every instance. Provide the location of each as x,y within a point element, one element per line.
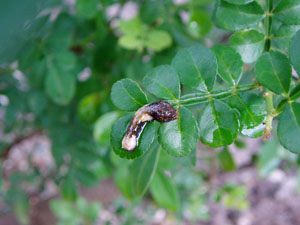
<point>58,62</point>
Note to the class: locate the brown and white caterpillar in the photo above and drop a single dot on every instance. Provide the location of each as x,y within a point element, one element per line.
<point>160,111</point>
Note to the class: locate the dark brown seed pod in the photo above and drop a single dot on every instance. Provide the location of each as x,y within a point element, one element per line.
<point>160,111</point>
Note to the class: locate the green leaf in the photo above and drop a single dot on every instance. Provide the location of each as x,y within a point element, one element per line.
<point>218,124</point>
<point>131,27</point>
<point>123,182</point>
<point>87,8</point>
<point>200,23</point>
<point>236,198</point>
<point>268,158</point>
<point>118,131</point>
<point>239,2</point>
<point>250,44</point>
<point>295,93</point>
<point>282,37</point>
<point>60,85</point>
<point>89,108</point>
<point>163,82</point>
<point>288,12</point>
<point>179,137</point>
<point>252,111</point>
<point>295,52</point>
<point>158,40</point>
<point>37,102</point>
<point>21,209</point>
<point>196,67</point>
<point>230,64</point>
<point>22,21</point>
<point>131,42</point>
<point>288,130</point>
<point>63,209</point>
<point>273,70</point>
<point>69,189</point>
<point>226,160</point>
<point>103,126</point>
<point>164,191</point>
<point>86,177</point>
<point>143,169</point>
<point>237,17</point>
<point>127,95</point>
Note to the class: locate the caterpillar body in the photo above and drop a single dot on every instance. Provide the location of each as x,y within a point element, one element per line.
<point>160,111</point>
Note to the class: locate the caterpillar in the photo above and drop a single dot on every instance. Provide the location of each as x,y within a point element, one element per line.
<point>160,111</point>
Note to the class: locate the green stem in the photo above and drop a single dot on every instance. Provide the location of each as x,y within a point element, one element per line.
<point>200,97</point>
<point>270,114</point>
<point>268,24</point>
<point>268,95</point>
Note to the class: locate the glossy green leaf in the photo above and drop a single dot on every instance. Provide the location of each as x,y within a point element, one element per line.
<point>282,37</point>
<point>295,93</point>
<point>226,160</point>
<point>288,130</point>
<point>118,131</point>
<point>103,126</point>
<point>196,67</point>
<point>237,17</point>
<point>179,137</point>
<point>230,64</point>
<point>251,109</point>
<point>127,95</point>
<point>239,2</point>
<point>295,51</point>
<point>163,82</point>
<point>273,70</point>
<point>87,8</point>
<point>249,44</point>
<point>288,11</point>
<point>200,23</point>
<point>157,40</point>
<point>60,85</point>
<point>143,169</point>
<point>268,158</point>
<point>218,124</point>
<point>164,191</point>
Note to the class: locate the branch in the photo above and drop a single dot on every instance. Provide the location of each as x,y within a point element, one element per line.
<point>200,97</point>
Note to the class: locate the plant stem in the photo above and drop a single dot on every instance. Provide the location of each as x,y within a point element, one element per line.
<point>268,24</point>
<point>200,97</point>
<point>268,95</point>
<point>270,114</point>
